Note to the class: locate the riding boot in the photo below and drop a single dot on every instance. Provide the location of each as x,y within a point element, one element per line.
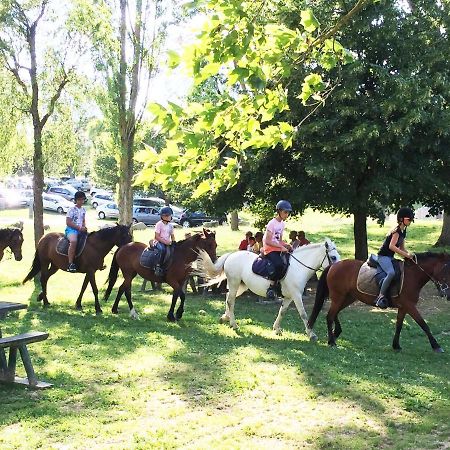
<point>159,272</point>
<point>381,302</point>
<point>273,291</point>
<point>71,268</point>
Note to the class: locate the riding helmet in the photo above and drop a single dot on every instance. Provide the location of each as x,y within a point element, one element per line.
<point>405,213</point>
<point>166,210</point>
<point>284,205</point>
<point>79,194</point>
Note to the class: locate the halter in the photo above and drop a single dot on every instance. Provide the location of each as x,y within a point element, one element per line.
<point>327,250</point>
<point>441,287</point>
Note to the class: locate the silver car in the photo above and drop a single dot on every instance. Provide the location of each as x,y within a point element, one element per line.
<point>146,214</point>
<point>108,211</point>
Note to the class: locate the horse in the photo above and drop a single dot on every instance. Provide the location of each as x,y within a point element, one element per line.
<point>127,259</point>
<point>98,244</point>
<point>236,267</point>
<point>12,238</point>
<point>339,284</point>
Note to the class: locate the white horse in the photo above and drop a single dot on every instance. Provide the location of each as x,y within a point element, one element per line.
<point>236,267</point>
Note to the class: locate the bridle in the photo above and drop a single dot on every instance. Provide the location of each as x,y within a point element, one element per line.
<point>441,287</point>
<point>327,255</point>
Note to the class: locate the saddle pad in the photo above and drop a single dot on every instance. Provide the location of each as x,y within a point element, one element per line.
<point>149,257</point>
<point>263,267</point>
<point>367,282</point>
<point>62,245</point>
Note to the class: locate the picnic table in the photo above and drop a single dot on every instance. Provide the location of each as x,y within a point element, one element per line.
<point>18,342</point>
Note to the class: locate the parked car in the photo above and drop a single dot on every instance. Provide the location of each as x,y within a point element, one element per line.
<point>155,202</point>
<point>146,214</point>
<point>27,195</point>
<point>11,198</point>
<point>101,199</point>
<point>75,183</point>
<point>65,190</point>
<point>192,219</point>
<point>55,203</point>
<point>108,211</point>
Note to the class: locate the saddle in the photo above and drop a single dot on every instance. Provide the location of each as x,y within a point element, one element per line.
<point>371,276</point>
<point>151,255</point>
<point>62,245</point>
<point>264,267</point>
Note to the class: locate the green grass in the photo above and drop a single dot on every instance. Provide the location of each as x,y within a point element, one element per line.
<point>148,384</point>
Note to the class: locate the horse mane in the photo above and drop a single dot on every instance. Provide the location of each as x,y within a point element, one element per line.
<point>305,247</point>
<point>426,255</point>
<point>105,233</point>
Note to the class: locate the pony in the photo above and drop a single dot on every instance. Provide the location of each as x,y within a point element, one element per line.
<point>127,259</point>
<point>12,238</point>
<point>339,284</point>
<point>236,267</point>
<point>98,244</point>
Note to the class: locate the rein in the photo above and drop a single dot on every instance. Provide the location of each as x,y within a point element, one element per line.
<point>320,265</point>
<point>441,287</point>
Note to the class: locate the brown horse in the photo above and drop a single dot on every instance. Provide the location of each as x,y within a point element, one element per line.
<point>338,282</point>
<point>98,245</point>
<point>12,238</point>
<point>128,257</point>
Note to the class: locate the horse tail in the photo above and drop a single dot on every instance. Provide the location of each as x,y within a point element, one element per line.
<point>35,268</point>
<point>321,294</point>
<point>207,269</point>
<point>112,276</point>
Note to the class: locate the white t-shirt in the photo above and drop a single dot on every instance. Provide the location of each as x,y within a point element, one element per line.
<point>77,215</point>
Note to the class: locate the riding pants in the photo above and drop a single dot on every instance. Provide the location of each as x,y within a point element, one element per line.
<point>276,259</point>
<point>385,263</point>
<point>162,249</point>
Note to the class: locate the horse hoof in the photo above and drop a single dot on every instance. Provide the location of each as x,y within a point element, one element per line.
<point>78,307</point>
<point>224,319</point>
<point>98,312</point>
<point>40,297</point>
<point>171,318</point>
<point>278,331</point>
<point>397,349</point>
<point>114,311</point>
<point>134,315</point>
<point>438,350</point>
<point>179,315</point>
<point>332,344</point>
<point>314,338</point>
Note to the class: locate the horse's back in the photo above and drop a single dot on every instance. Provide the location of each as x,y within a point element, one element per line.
<point>130,252</point>
<point>343,272</point>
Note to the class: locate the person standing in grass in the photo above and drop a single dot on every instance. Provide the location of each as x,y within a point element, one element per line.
<point>75,225</point>
<point>274,246</point>
<point>393,243</point>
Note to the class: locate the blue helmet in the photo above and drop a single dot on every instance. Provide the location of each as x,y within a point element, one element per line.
<point>284,205</point>
<point>166,210</point>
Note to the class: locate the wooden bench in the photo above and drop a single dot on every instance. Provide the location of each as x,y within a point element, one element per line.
<point>8,369</point>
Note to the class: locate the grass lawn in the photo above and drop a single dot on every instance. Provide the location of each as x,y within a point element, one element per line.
<point>150,384</point>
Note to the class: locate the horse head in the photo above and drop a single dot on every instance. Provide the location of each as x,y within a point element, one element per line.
<point>443,276</point>
<point>206,241</point>
<point>123,235</point>
<point>331,254</point>
<point>15,243</point>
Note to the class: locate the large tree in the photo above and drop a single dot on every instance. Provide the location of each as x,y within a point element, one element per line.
<point>37,50</point>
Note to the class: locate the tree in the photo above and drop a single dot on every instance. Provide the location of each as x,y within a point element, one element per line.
<point>444,238</point>
<point>210,142</point>
<point>127,63</point>
<point>21,47</point>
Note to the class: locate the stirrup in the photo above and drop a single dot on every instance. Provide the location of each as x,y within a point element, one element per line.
<point>271,294</point>
<point>159,272</point>
<point>72,268</point>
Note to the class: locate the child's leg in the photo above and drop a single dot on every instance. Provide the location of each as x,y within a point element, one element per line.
<point>73,237</point>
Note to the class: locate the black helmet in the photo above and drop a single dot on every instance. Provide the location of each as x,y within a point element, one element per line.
<point>166,210</point>
<point>405,213</point>
<point>79,194</point>
<point>284,205</point>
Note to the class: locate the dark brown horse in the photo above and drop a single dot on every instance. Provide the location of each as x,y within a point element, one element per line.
<point>128,257</point>
<point>12,238</point>
<point>339,284</point>
<point>98,245</point>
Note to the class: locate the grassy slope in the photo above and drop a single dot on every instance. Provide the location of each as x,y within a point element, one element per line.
<point>197,384</point>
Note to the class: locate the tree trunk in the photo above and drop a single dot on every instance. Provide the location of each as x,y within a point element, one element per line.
<point>360,235</point>
<point>126,175</point>
<point>234,220</point>
<point>444,238</point>
<point>38,185</point>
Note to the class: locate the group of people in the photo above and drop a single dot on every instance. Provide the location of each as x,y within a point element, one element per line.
<point>270,243</point>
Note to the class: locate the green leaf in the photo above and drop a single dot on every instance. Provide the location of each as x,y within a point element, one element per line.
<point>173,59</point>
<point>309,21</point>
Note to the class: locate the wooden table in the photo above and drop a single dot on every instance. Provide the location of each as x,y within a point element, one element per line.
<point>14,343</point>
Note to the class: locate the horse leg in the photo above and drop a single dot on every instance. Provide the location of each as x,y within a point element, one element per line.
<point>80,296</point>
<point>398,328</point>
<point>283,308</point>
<point>301,310</point>
<point>337,327</point>
<point>180,310</point>
<point>46,273</point>
<point>229,309</point>
<point>415,314</point>
<point>133,313</point>
<point>122,288</point>
<point>331,318</point>
<point>170,315</point>
<point>91,277</point>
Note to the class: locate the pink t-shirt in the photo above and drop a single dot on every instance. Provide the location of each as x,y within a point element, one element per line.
<point>165,230</point>
<point>276,228</point>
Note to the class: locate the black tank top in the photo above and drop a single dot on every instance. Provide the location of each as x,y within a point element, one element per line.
<point>384,249</point>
